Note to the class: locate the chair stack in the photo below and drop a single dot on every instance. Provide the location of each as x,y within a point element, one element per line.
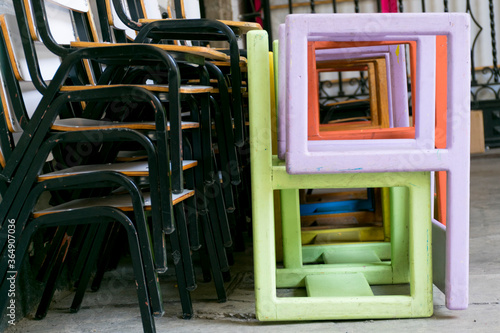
<point>123,137</point>
<point>391,278</point>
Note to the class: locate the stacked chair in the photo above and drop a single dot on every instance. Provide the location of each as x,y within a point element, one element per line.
<point>392,278</point>
<point>140,20</point>
<point>116,135</point>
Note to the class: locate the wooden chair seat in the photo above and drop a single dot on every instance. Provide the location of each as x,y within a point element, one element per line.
<point>83,124</point>
<point>184,89</point>
<point>198,50</point>
<point>120,201</point>
<point>132,169</point>
<point>239,28</point>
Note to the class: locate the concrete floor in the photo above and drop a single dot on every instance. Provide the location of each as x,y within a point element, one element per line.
<point>114,308</point>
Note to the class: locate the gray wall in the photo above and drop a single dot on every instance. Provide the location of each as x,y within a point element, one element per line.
<point>6,6</point>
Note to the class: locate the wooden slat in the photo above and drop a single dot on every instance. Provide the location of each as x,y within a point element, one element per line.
<point>31,20</point>
<point>132,169</point>
<point>121,201</point>
<point>230,90</point>
<point>184,89</point>
<point>477,132</point>
<point>2,158</point>
<point>360,120</point>
<point>243,64</point>
<point>79,124</point>
<point>93,28</point>
<point>243,27</point>
<point>347,102</point>
<point>198,50</point>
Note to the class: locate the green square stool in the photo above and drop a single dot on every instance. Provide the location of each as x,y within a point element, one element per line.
<point>392,252</point>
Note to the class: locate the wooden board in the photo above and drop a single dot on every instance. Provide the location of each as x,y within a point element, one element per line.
<point>240,27</point>
<point>198,50</point>
<point>79,124</point>
<point>121,201</point>
<point>476,132</point>
<point>184,89</point>
<point>132,169</point>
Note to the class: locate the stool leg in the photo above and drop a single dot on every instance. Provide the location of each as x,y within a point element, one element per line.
<point>399,234</point>
<point>290,226</point>
<point>457,240</point>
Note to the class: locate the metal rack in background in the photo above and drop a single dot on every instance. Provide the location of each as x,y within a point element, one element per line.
<point>485,80</point>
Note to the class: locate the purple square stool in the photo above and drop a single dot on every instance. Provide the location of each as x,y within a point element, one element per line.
<point>419,154</point>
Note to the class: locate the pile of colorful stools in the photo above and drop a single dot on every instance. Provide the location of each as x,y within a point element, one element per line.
<point>408,157</point>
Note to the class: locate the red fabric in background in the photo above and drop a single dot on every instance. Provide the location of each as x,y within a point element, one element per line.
<point>258,7</point>
<point>389,6</point>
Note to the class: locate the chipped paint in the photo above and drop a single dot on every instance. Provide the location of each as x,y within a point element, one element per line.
<point>354,169</point>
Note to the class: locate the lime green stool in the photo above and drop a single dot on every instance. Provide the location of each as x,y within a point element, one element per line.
<point>393,253</point>
<point>338,291</point>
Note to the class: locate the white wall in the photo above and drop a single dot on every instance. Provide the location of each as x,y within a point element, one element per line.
<point>6,7</point>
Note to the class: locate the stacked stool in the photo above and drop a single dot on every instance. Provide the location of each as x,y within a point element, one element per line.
<point>391,279</point>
